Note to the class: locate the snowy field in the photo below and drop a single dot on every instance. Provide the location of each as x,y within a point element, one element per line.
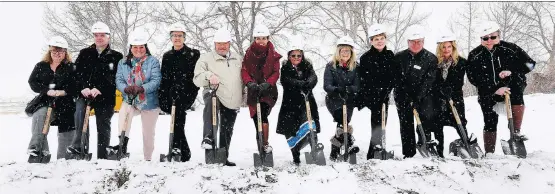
<point>496,174</point>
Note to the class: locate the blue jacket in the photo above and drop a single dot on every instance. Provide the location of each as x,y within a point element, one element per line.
<point>151,69</point>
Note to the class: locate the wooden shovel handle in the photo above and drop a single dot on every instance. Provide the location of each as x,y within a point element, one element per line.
<point>47,121</point>
<point>172,119</point>
<point>345,118</point>
<point>258,115</point>
<point>508,106</point>
<point>308,115</point>
<point>455,113</point>
<point>416,116</point>
<point>383,116</point>
<point>214,111</point>
<point>86,121</point>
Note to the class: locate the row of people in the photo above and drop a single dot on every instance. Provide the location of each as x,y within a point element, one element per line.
<point>420,80</point>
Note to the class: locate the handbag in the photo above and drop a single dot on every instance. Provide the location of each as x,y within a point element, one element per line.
<point>33,105</point>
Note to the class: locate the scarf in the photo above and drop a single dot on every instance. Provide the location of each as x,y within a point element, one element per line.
<point>259,56</point>
<point>444,66</point>
<point>137,77</point>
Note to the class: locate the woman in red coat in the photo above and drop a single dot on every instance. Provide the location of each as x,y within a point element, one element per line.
<point>260,73</point>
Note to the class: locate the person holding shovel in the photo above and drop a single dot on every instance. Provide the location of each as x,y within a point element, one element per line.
<point>497,67</point>
<point>53,79</point>
<point>177,85</point>
<point>377,72</point>
<point>297,77</point>
<point>138,79</point>
<point>448,86</point>
<point>341,83</point>
<point>260,72</point>
<point>96,68</point>
<point>220,68</point>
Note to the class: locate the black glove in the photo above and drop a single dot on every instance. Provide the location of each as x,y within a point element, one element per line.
<point>252,86</point>
<point>128,90</point>
<point>340,90</point>
<point>265,87</point>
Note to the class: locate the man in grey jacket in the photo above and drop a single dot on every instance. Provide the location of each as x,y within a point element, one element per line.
<point>221,68</point>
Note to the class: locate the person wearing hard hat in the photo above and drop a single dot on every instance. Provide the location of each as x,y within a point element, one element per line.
<point>413,89</point>
<point>260,72</point>
<point>297,77</point>
<point>449,83</point>
<point>377,71</point>
<point>52,78</point>
<point>96,68</point>
<point>178,65</point>
<point>138,79</point>
<point>496,67</point>
<point>341,83</point>
<point>221,70</point>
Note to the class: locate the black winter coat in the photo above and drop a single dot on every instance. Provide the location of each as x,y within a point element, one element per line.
<point>64,107</point>
<point>98,71</point>
<point>335,77</point>
<point>451,87</point>
<point>377,73</point>
<point>485,66</point>
<point>415,81</point>
<point>292,113</point>
<point>177,78</point>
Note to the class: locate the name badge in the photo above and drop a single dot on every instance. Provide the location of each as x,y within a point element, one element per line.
<point>417,67</point>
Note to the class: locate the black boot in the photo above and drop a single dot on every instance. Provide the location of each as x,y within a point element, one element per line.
<point>124,149</point>
<point>296,155</point>
<point>334,152</point>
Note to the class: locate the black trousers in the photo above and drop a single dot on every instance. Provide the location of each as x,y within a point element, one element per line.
<point>103,121</point>
<point>225,120</point>
<point>179,137</point>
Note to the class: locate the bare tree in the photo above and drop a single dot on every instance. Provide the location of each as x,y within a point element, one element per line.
<point>76,19</point>
<point>463,23</point>
<point>509,21</point>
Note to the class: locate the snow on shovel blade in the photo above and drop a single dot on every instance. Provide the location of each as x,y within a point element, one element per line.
<point>514,147</point>
<point>315,157</point>
<point>215,156</point>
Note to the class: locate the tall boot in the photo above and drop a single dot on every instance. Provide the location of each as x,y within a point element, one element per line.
<point>518,114</point>
<point>489,141</point>
<point>296,155</point>
<point>265,134</point>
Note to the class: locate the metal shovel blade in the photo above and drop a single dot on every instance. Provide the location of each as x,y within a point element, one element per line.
<point>315,157</point>
<point>426,150</point>
<point>267,157</point>
<point>514,147</point>
<point>383,154</point>
<point>215,156</point>
<point>39,159</point>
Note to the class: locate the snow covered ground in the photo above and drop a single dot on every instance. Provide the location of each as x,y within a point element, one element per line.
<point>496,174</point>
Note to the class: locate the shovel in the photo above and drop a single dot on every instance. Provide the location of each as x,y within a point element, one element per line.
<point>84,155</point>
<point>425,148</point>
<point>316,154</point>
<point>215,155</point>
<point>261,158</point>
<point>469,150</point>
<point>515,145</point>
<point>382,153</point>
<point>41,157</point>
<point>119,154</point>
<point>344,151</point>
<point>169,157</point>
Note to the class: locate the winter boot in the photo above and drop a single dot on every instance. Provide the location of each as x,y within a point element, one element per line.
<point>518,114</point>
<point>489,141</point>
<point>206,143</point>
<point>116,148</point>
<point>353,149</point>
<point>334,152</point>
<point>296,155</point>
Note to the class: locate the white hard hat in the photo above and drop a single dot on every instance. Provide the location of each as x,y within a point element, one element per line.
<point>100,27</point>
<point>222,35</point>
<point>177,27</point>
<point>138,37</point>
<point>446,37</point>
<point>376,29</point>
<point>295,46</point>
<point>58,41</point>
<point>260,31</point>
<point>415,32</point>
<point>345,40</point>
<point>487,27</point>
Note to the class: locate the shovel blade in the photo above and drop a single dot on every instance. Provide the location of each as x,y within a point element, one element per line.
<point>514,147</point>
<point>383,154</point>
<point>39,159</point>
<point>163,158</point>
<point>267,159</point>
<point>217,156</point>
<point>316,157</point>
<point>116,156</point>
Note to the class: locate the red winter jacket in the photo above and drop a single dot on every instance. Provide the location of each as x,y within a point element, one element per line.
<point>266,58</point>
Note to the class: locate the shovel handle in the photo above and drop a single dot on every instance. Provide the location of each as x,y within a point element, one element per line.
<point>508,106</point>
<point>455,113</point>
<point>86,120</point>
<point>416,117</point>
<point>383,116</point>
<point>47,121</point>
<point>345,118</point>
<point>172,122</point>
<point>258,119</point>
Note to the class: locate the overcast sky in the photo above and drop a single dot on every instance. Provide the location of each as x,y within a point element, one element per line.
<point>23,43</point>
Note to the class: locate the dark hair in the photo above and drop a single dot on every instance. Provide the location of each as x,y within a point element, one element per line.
<point>130,55</point>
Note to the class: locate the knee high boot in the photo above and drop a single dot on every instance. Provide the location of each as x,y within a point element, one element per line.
<point>518,114</point>
<point>489,141</point>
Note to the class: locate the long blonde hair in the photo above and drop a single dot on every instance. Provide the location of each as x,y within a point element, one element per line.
<point>337,57</point>
<point>454,55</point>
<point>48,58</point>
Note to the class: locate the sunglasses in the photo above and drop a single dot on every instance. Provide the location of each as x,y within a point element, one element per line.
<point>486,38</point>
<point>295,56</point>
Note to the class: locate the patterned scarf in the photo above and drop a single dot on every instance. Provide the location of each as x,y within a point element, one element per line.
<point>444,66</point>
<point>137,77</point>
